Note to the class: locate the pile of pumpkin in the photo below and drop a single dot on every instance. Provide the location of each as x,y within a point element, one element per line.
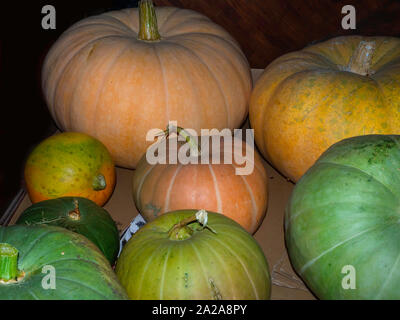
<point>322,116</point>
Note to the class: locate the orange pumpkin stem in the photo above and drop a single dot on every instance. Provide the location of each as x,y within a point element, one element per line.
<point>148,29</point>
<point>361,59</point>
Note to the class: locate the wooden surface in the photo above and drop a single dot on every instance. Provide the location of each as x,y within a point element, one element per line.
<point>267,29</point>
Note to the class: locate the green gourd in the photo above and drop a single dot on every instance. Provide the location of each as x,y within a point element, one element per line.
<point>53,263</point>
<point>342,221</point>
<point>79,215</point>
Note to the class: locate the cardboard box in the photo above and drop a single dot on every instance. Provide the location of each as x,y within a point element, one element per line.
<point>285,283</point>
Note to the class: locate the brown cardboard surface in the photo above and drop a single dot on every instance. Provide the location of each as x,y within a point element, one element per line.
<point>285,283</point>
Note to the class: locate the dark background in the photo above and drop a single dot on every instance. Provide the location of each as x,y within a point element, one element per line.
<point>265,30</point>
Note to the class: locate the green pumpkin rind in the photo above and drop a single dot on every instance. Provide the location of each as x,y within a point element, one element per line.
<point>345,212</point>
<point>228,264</point>
<point>81,270</point>
<point>95,223</point>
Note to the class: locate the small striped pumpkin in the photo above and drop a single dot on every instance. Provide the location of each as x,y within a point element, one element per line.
<point>160,188</point>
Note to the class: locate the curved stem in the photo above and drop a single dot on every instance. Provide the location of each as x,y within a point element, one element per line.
<point>8,262</point>
<point>194,146</point>
<point>148,29</point>
<point>180,231</point>
<point>361,59</point>
<point>75,214</point>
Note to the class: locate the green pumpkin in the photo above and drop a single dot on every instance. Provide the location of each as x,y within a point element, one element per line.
<point>174,257</point>
<point>342,221</point>
<point>81,271</point>
<point>79,215</point>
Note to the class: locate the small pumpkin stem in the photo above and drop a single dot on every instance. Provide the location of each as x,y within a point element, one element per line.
<point>75,214</point>
<point>148,29</point>
<point>180,231</point>
<point>194,146</point>
<point>361,60</point>
<point>99,182</point>
<point>8,262</point>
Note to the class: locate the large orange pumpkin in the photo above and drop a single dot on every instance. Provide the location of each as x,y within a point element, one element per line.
<point>306,101</point>
<point>115,77</point>
<point>159,188</point>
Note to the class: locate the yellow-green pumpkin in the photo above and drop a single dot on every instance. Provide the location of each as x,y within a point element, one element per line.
<point>70,164</point>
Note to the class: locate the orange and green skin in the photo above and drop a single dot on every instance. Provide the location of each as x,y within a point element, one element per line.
<point>67,164</point>
<point>220,262</point>
<point>305,101</point>
<point>345,211</point>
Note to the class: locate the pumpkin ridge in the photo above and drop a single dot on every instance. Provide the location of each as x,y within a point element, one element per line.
<point>127,31</point>
<point>243,266</point>
<point>229,235</point>
<point>84,285</point>
<point>388,278</point>
<point>167,111</point>
<point>100,89</point>
<point>203,269</point>
<point>360,170</point>
<point>146,267</point>
<point>217,193</point>
<point>168,195</point>
<point>35,297</point>
<point>35,242</point>
<point>66,259</point>
<point>313,260</point>
<point>222,262</point>
<point>193,53</point>
<point>158,183</point>
<point>386,54</point>
<point>163,273</point>
<point>253,203</point>
<point>217,52</point>
<point>321,205</point>
<point>139,189</point>
<point>164,23</point>
<point>61,73</point>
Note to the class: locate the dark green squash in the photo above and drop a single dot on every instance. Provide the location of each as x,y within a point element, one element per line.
<point>343,221</point>
<point>81,272</point>
<point>80,215</point>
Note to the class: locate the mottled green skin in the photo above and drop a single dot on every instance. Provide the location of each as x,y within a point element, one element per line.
<point>82,272</point>
<point>95,223</point>
<point>346,211</point>
<point>226,265</point>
